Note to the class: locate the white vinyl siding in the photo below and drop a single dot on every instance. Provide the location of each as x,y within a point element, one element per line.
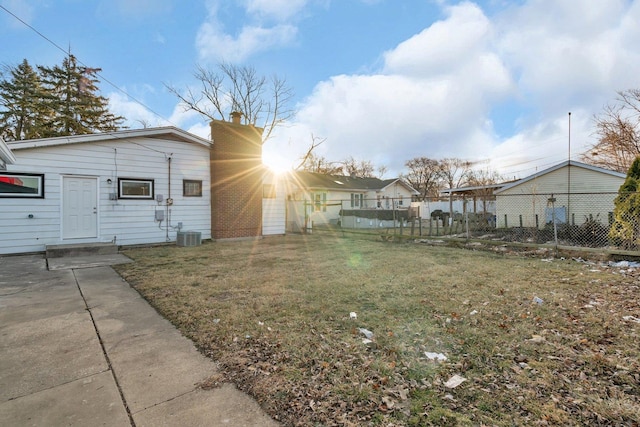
<point>274,212</point>
<point>128,221</point>
<point>531,197</point>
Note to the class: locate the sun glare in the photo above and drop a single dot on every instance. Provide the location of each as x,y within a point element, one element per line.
<point>276,164</point>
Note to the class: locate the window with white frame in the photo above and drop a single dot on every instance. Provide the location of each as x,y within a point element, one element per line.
<point>357,200</point>
<point>22,185</point>
<point>319,202</point>
<point>135,188</point>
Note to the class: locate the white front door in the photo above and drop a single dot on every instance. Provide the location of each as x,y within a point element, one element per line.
<point>79,207</point>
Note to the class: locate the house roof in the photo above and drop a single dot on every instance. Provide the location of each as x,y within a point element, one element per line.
<point>6,156</point>
<point>318,181</point>
<point>167,132</point>
<point>561,165</point>
<point>472,189</point>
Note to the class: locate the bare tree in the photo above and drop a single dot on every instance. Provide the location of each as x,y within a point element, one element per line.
<point>309,160</point>
<point>263,102</point>
<point>423,175</point>
<point>358,168</point>
<point>320,164</point>
<point>482,178</point>
<point>453,173</point>
<point>618,132</point>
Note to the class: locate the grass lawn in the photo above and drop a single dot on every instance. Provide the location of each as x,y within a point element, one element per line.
<point>275,313</point>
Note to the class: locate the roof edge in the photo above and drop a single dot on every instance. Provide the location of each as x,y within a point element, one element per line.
<point>116,135</point>
<point>560,166</point>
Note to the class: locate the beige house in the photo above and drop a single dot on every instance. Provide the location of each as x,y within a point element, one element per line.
<point>569,192</point>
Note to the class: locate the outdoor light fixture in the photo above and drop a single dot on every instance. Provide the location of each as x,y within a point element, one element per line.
<point>109,181</point>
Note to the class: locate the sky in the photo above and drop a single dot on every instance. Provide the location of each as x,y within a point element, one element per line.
<point>491,82</point>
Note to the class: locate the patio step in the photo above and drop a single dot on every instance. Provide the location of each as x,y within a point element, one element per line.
<point>79,249</point>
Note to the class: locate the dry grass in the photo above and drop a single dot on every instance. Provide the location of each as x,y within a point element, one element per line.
<point>275,314</point>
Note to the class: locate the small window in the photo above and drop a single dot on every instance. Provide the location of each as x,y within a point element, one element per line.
<point>131,188</point>
<point>23,185</point>
<point>357,200</point>
<point>320,202</point>
<point>191,188</point>
<point>268,191</point>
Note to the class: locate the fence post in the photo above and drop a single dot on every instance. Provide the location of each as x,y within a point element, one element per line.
<point>505,221</point>
<point>553,219</point>
<point>466,222</point>
<point>520,221</point>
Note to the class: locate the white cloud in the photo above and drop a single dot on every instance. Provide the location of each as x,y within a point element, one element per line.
<point>214,44</point>
<point>436,92</point>
<point>138,116</point>
<point>442,46</point>
<point>432,97</point>
<point>280,10</point>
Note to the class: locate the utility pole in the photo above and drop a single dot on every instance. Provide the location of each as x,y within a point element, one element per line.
<point>569,174</point>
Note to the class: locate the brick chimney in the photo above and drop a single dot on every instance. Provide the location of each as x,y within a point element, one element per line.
<point>235,117</point>
<point>236,179</point>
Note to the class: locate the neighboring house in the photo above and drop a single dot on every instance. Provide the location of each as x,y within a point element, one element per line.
<point>570,192</point>
<point>323,197</point>
<point>126,187</point>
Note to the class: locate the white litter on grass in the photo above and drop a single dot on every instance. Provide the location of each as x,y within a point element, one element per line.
<point>538,300</point>
<point>631,319</point>
<point>353,315</point>
<point>473,312</point>
<point>216,321</point>
<point>625,264</point>
<point>454,381</point>
<point>435,356</point>
<point>366,341</point>
<point>260,323</point>
<point>547,260</point>
<point>367,333</point>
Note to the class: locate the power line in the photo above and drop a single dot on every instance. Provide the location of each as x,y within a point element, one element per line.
<point>85,65</point>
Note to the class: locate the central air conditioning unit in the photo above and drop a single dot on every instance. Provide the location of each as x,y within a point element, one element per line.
<point>189,238</point>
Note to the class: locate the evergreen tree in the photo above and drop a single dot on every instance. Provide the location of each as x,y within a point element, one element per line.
<point>23,115</point>
<point>625,229</point>
<point>72,94</point>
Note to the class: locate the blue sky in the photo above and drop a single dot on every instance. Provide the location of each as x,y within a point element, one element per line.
<point>382,80</point>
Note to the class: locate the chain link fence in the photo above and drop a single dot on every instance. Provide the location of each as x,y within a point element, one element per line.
<point>576,219</point>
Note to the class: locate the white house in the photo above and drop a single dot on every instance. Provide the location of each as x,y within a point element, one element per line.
<point>319,199</point>
<point>569,192</point>
<point>125,187</point>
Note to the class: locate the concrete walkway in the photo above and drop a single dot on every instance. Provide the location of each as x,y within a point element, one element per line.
<point>80,347</point>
